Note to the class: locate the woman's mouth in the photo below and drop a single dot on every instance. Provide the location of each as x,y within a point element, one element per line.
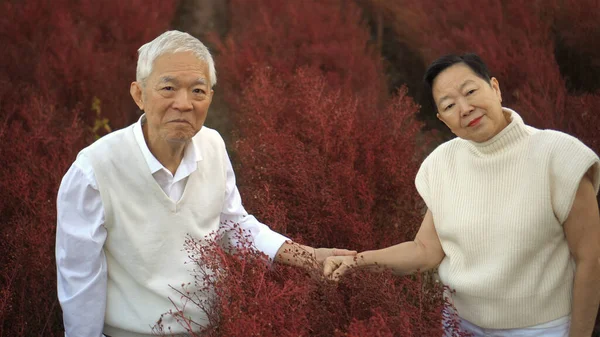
<point>475,121</point>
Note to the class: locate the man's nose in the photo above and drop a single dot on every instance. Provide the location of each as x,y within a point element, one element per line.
<point>182,101</point>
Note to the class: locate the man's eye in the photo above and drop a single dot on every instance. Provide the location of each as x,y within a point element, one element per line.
<point>198,91</point>
<point>168,88</point>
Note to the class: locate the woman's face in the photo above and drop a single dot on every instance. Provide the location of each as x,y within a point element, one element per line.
<point>467,104</point>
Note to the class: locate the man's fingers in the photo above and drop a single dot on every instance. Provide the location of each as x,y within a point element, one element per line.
<point>343,252</point>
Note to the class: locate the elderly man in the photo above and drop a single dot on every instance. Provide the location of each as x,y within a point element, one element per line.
<point>128,201</point>
<point>512,219</point>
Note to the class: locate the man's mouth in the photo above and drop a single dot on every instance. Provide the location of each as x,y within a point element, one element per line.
<point>475,121</point>
<point>179,121</point>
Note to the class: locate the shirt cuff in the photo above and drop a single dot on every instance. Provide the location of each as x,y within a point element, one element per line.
<point>269,242</point>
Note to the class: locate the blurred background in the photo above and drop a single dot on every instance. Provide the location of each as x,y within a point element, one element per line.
<point>321,106</point>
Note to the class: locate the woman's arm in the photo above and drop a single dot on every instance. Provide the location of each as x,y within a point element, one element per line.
<point>582,230</point>
<point>423,253</point>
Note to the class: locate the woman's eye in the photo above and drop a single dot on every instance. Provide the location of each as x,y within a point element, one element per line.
<point>449,106</point>
<point>470,92</point>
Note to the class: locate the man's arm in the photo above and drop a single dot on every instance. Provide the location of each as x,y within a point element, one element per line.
<point>80,260</point>
<point>423,253</point>
<point>295,254</point>
<point>582,230</point>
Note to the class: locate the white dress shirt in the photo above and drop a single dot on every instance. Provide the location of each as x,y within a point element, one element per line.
<point>80,234</point>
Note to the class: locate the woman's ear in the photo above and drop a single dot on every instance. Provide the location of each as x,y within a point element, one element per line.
<point>496,87</point>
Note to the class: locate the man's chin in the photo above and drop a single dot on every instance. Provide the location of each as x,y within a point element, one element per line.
<point>179,138</point>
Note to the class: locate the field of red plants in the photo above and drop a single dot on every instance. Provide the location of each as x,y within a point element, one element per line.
<point>328,130</point>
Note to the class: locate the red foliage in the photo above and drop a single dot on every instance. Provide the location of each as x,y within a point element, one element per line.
<point>286,35</point>
<point>57,56</point>
<point>326,157</point>
<point>250,298</point>
<point>513,37</point>
<point>577,25</point>
<point>80,49</point>
<point>516,38</point>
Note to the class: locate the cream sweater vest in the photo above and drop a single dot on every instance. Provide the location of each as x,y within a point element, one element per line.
<point>146,229</point>
<point>498,209</point>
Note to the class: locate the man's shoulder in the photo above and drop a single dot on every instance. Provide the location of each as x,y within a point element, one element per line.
<point>111,139</point>
<point>105,148</point>
<point>208,134</point>
<point>208,137</point>
<point>209,142</point>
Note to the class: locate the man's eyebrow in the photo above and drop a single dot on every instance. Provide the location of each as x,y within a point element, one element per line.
<point>460,88</point>
<point>200,80</point>
<point>173,79</point>
<point>167,79</point>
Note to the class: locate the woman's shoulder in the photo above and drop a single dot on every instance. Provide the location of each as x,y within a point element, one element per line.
<point>556,141</point>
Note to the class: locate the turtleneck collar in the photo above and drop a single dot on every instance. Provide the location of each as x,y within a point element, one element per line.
<point>511,135</point>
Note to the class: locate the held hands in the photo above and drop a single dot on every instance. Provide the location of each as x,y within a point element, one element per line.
<point>336,266</point>
<point>321,254</point>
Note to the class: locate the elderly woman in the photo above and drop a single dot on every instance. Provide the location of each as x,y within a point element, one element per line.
<point>512,221</point>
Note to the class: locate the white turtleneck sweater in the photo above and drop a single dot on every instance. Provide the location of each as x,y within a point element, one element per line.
<point>498,209</point>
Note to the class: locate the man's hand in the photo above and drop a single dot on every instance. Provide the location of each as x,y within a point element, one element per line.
<point>308,257</point>
<point>323,253</point>
<point>336,266</point>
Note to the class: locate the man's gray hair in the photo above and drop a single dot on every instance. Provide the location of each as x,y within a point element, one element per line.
<point>172,41</point>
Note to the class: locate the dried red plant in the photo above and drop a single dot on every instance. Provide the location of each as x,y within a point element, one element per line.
<point>249,297</point>
<point>57,56</point>
<point>326,156</point>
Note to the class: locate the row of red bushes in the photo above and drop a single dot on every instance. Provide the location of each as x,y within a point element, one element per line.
<point>58,55</point>
<point>326,156</point>
<point>323,152</point>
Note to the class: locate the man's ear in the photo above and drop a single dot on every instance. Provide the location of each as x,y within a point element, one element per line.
<point>136,93</point>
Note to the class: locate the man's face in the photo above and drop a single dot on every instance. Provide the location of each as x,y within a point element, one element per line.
<point>467,104</point>
<point>175,97</point>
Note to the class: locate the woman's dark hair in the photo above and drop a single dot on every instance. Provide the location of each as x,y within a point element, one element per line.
<point>436,67</point>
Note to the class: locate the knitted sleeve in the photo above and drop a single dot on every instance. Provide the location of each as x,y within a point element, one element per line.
<point>570,160</point>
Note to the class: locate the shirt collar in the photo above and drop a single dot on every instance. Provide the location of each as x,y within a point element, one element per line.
<point>191,154</point>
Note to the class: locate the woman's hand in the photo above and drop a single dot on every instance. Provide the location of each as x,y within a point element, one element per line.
<point>336,266</point>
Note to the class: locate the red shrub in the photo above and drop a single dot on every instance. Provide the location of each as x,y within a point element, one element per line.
<point>253,299</point>
<point>514,38</point>
<point>80,49</point>
<point>36,150</point>
<point>57,56</point>
<point>286,35</point>
<point>326,157</point>
<point>578,28</point>
<point>322,149</point>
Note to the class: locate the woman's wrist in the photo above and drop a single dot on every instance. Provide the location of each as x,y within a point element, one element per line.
<point>363,259</point>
